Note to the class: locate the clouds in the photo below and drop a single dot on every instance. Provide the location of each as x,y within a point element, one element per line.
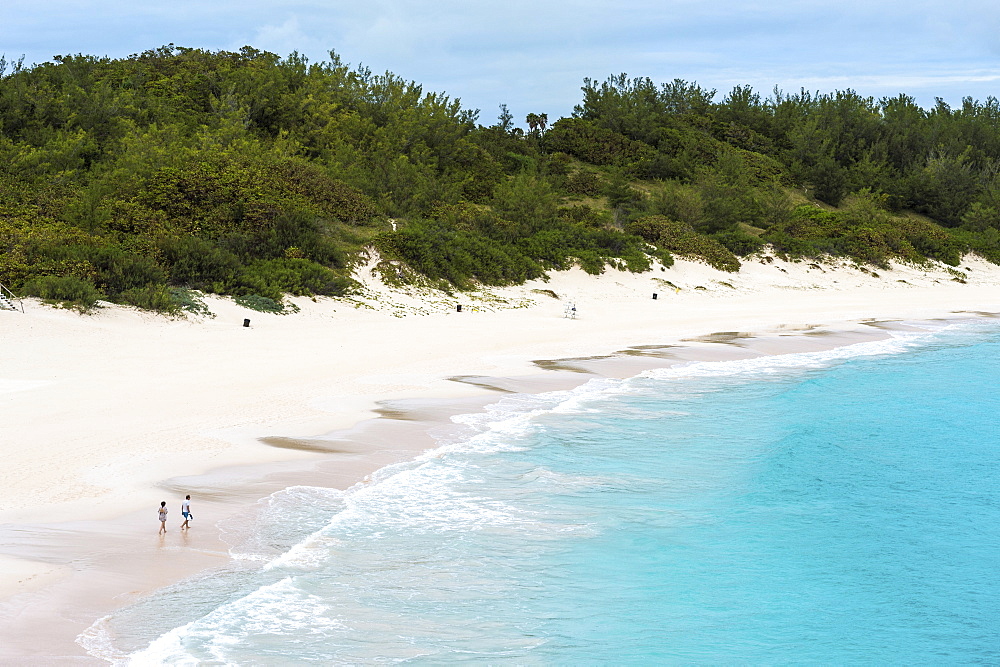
<point>283,39</point>
<point>533,56</point>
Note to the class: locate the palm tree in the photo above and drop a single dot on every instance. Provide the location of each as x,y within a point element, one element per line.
<point>532,121</point>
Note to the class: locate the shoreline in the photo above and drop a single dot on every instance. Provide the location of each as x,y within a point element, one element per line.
<point>398,407</point>
<point>347,457</point>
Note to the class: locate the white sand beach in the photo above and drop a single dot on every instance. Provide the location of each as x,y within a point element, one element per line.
<point>106,414</point>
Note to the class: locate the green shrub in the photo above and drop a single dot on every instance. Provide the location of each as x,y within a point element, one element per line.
<point>335,197</point>
<point>302,277</point>
<point>584,184</point>
<point>865,232</point>
<point>585,215</point>
<point>681,239</point>
<point>189,301</point>
<point>259,303</point>
<point>150,297</point>
<point>933,241</point>
<point>590,262</point>
<point>558,163</point>
<point>739,242</point>
<point>68,290</point>
<point>119,271</point>
<point>597,145</point>
<point>438,251</point>
<point>198,263</point>
<point>662,254</point>
<point>985,243</point>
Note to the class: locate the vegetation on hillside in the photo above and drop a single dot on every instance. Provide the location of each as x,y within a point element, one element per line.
<point>243,173</point>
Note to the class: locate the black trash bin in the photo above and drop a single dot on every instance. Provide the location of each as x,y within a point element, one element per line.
<point>459,308</point>
<point>246,322</point>
<point>654,296</point>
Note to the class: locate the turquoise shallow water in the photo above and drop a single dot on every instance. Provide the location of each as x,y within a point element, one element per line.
<point>831,507</point>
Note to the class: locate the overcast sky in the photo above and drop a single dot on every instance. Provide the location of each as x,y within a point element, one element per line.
<point>534,55</point>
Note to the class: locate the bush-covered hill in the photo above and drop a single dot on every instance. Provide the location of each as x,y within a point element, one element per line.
<point>244,173</point>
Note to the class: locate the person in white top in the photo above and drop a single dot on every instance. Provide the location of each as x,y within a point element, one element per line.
<point>186,511</point>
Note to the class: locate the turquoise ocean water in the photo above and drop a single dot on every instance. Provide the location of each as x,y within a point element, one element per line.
<point>836,507</point>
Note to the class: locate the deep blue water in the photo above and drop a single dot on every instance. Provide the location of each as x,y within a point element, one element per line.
<point>838,507</point>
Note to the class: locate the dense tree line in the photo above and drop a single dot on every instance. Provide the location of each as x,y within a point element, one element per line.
<point>808,173</point>
<point>136,180</point>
